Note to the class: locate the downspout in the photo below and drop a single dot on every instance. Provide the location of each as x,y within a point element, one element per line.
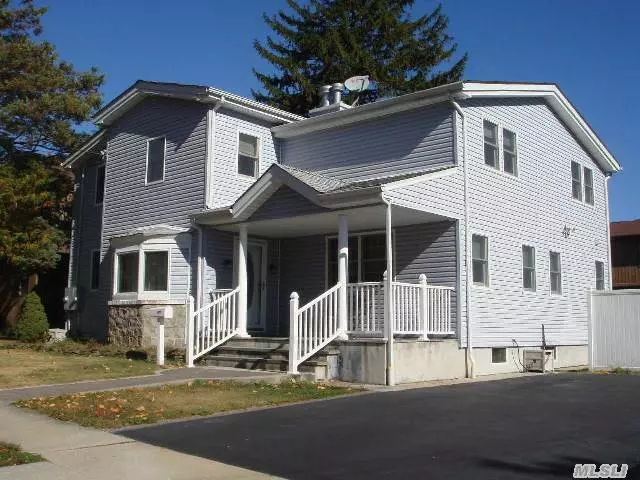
<point>390,374</point>
<point>467,239</point>
<point>606,198</point>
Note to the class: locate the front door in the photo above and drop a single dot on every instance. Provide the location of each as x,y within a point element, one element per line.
<point>256,285</point>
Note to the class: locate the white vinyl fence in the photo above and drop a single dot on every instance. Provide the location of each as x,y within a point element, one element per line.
<point>614,333</point>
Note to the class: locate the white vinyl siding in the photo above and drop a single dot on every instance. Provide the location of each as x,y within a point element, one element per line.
<point>555,272</point>
<point>156,148</point>
<point>480,257</point>
<point>491,144</point>
<point>576,180</point>
<point>528,268</point>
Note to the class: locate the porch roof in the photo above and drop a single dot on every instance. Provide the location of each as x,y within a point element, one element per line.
<point>324,193</point>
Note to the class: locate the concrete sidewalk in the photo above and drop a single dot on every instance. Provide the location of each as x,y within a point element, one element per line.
<point>75,452</point>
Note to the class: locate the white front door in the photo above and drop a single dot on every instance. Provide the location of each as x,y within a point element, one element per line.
<point>256,285</point>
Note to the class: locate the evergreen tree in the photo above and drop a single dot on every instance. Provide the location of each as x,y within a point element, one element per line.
<point>42,102</point>
<point>327,41</point>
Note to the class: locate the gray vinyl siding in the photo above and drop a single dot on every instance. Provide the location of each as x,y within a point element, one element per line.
<point>218,255</point>
<point>285,203</point>
<point>428,248</point>
<point>399,143</point>
<point>532,209</point>
<point>226,184</point>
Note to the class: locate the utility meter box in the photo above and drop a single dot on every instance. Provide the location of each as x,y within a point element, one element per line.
<point>161,313</point>
<point>70,298</point>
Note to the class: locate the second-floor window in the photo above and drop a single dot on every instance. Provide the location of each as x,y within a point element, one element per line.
<point>155,159</point>
<point>576,180</point>
<point>100,172</point>
<point>510,160</point>
<point>248,155</point>
<point>491,144</point>
<point>588,185</point>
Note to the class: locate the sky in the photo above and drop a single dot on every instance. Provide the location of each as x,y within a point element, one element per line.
<point>588,47</point>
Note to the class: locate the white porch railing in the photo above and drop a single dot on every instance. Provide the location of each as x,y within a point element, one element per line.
<point>211,325</point>
<point>365,307</point>
<point>312,326</point>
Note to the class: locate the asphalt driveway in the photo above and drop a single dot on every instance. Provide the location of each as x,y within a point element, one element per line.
<point>529,427</point>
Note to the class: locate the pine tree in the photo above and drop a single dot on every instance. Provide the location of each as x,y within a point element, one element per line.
<point>327,41</point>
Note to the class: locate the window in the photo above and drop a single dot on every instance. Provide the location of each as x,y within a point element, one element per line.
<point>127,272</point>
<point>155,159</point>
<point>528,268</point>
<point>510,163</point>
<point>588,185</point>
<point>491,144</point>
<point>95,269</point>
<point>480,260</point>
<point>100,184</point>
<point>599,275</point>
<point>156,271</point>
<point>576,180</point>
<point>248,155</point>
<point>555,272</point>
<point>498,355</point>
<point>367,258</point>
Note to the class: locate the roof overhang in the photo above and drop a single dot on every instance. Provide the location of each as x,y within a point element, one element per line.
<point>88,148</point>
<point>199,93</point>
<point>554,97</point>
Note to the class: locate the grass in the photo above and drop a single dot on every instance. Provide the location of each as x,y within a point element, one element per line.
<point>11,454</point>
<point>138,406</point>
<point>26,367</point>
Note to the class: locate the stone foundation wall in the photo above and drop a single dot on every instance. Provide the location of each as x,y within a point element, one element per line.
<point>131,325</point>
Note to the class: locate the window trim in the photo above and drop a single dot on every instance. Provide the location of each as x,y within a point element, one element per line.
<point>584,186</point>
<point>102,166</point>
<point>164,161</point>
<point>551,291</point>
<point>535,268</point>
<point>237,156</point>
<point>359,235</point>
<point>604,275</point>
<point>91,270</point>
<point>497,145</point>
<point>140,293</point>
<point>487,284</point>
<point>515,152</point>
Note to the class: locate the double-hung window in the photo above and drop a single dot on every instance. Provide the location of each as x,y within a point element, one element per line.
<point>599,275</point>
<point>510,157</point>
<point>588,185</point>
<point>555,272</point>
<point>100,173</point>
<point>156,148</point>
<point>480,259</point>
<point>248,155</point>
<point>367,258</point>
<point>491,144</point>
<point>528,268</point>
<point>576,180</point>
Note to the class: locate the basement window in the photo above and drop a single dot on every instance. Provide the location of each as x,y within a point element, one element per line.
<point>498,355</point>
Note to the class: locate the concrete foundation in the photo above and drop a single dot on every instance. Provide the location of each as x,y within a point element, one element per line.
<point>131,325</point>
<point>364,360</point>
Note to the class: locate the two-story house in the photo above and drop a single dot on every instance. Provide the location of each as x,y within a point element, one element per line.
<point>270,234</point>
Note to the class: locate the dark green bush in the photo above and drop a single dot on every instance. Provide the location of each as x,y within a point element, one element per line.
<point>32,325</point>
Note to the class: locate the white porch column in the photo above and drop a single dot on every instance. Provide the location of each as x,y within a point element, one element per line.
<point>242,282</point>
<point>343,275</point>
<point>389,298</point>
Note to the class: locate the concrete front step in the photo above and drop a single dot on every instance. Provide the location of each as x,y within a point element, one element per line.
<point>270,354</point>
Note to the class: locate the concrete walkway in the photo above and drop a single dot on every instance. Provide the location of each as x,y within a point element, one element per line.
<point>75,452</point>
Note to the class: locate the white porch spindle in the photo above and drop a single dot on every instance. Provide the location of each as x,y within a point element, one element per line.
<point>343,275</point>
<point>423,305</point>
<point>242,282</point>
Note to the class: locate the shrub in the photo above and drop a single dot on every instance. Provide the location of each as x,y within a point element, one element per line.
<point>32,325</point>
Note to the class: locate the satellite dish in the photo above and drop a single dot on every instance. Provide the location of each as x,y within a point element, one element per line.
<point>357,84</point>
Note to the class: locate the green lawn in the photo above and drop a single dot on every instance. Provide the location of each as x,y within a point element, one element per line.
<point>13,455</point>
<point>136,406</point>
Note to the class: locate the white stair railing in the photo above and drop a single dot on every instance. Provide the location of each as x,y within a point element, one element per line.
<point>313,326</point>
<point>211,325</point>
<point>365,307</point>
